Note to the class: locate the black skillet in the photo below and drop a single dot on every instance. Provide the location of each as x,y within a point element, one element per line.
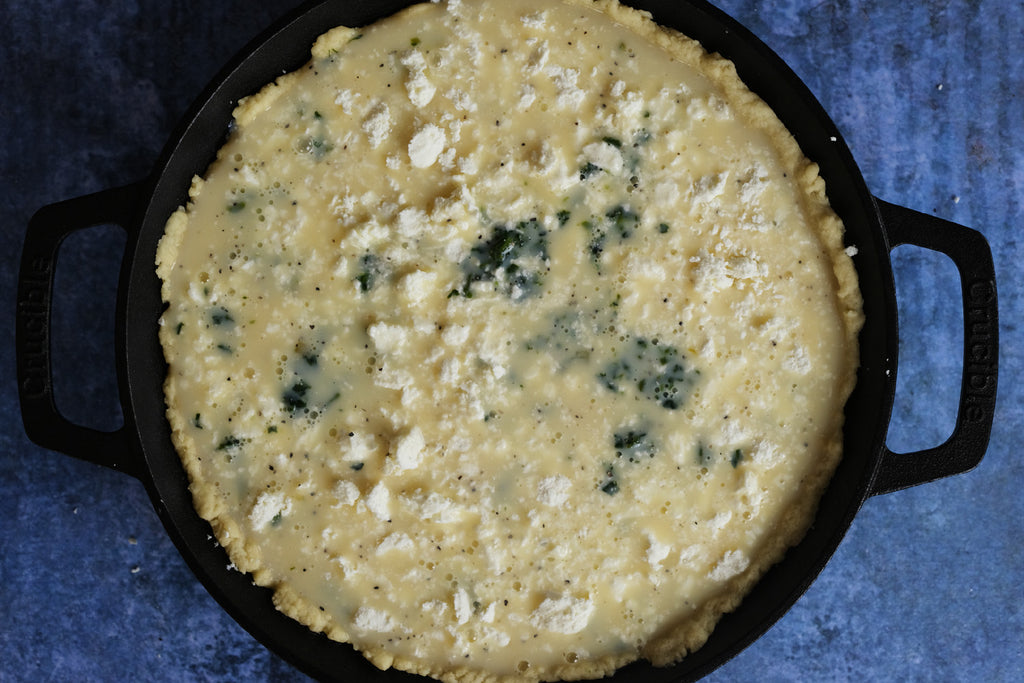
<point>143,449</point>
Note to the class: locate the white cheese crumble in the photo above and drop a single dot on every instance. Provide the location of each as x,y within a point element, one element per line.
<point>426,145</point>
<point>731,564</point>
<point>463,606</point>
<point>361,445</point>
<point>346,99</point>
<point>534,20</point>
<point>268,506</point>
<point>554,490</point>
<point>564,614</point>
<point>657,551</point>
<point>604,155</point>
<point>387,338</point>
<point>396,541</point>
<point>346,492</point>
<point>419,87</point>
<point>377,125</point>
<point>378,502</point>
<point>409,450</point>
<point>371,619</point>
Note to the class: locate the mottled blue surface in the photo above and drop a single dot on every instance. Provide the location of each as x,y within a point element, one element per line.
<point>927,585</point>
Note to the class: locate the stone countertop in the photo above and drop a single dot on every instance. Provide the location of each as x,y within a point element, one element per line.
<point>926,584</point>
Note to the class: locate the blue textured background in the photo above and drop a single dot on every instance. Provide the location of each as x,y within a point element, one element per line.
<point>927,585</point>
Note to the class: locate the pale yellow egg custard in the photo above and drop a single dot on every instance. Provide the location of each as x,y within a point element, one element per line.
<point>508,339</point>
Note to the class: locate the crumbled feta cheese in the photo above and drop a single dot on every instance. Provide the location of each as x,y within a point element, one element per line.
<point>766,453</point>
<point>718,522</point>
<point>710,273</point>
<point>387,338</point>
<point>436,608</point>
<point>409,452</point>
<point>346,99</point>
<point>377,124</point>
<point>798,361</point>
<point>707,189</point>
<point>463,606</point>
<point>604,155</point>
<point>419,87</point>
<point>397,541</point>
<point>346,492</point>
<point>437,508</point>
<point>657,551</point>
<point>371,619</point>
<point>426,145</point>
<point>361,445</point>
<point>417,286</point>
<point>565,614</point>
<point>554,490</point>
<point>731,564</point>
<point>570,96</point>
<point>535,20</point>
<point>461,100</point>
<point>378,502</point>
<point>268,506</point>
<point>527,96</point>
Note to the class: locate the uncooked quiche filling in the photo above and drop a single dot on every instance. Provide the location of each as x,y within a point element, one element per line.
<point>508,339</point>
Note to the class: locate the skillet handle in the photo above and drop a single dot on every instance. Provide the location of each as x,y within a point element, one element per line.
<point>43,422</point>
<point>972,256</point>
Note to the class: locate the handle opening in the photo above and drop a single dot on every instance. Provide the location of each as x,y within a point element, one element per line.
<point>931,324</point>
<point>82,327</point>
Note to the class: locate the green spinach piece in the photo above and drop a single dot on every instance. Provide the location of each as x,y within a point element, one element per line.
<point>634,444</point>
<point>512,258</point>
<point>294,397</point>
<point>370,270</point>
<point>656,371</point>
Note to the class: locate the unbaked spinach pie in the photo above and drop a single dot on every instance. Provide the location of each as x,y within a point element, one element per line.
<point>508,340</point>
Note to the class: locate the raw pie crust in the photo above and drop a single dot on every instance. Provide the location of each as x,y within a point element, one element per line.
<point>508,340</point>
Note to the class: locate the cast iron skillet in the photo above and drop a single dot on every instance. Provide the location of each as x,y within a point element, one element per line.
<point>143,449</point>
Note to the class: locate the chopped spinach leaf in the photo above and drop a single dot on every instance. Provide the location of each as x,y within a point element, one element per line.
<point>737,457</point>
<point>572,332</point>
<point>229,443</point>
<point>656,371</point>
<point>512,257</point>
<point>220,316</point>
<point>294,397</point>
<point>370,269</point>
<point>610,484</point>
<point>618,224</point>
<point>623,219</point>
<point>633,444</point>
<point>588,169</point>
